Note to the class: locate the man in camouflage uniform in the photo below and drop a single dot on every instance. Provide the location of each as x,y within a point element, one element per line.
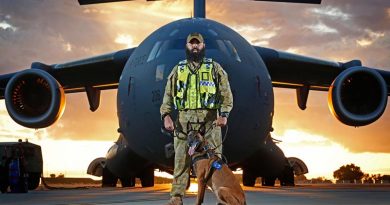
<point>199,88</point>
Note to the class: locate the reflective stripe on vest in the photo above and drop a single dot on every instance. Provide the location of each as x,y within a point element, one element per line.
<point>195,90</point>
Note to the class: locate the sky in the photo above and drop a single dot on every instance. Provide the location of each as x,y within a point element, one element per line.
<point>61,31</point>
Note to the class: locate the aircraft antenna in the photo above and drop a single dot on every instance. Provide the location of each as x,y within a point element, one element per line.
<point>200,8</point>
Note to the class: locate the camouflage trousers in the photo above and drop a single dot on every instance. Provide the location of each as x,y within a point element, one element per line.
<point>182,160</point>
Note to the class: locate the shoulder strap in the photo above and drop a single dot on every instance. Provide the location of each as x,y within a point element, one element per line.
<point>183,62</point>
<point>207,60</point>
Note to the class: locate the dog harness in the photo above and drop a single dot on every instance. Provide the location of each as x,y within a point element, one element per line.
<point>216,164</point>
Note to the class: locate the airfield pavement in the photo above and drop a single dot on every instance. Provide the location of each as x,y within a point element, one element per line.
<point>300,194</point>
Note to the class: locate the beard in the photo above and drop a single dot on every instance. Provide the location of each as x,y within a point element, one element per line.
<point>196,57</point>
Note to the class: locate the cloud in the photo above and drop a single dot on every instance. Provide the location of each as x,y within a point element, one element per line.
<point>258,36</point>
<point>67,47</point>
<point>125,39</point>
<point>369,38</point>
<point>93,10</point>
<point>6,26</point>
<point>340,23</point>
<point>331,12</point>
<point>321,28</point>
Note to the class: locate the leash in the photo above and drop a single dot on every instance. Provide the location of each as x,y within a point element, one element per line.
<point>185,138</point>
<point>223,138</point>
<point>213,125</point>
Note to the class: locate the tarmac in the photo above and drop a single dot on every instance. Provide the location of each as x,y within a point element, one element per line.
<point>300,194</point>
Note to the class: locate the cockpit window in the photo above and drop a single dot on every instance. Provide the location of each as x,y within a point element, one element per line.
<point>222,47</point>
<point>153,53</point>
<point>174,32</point>
<point>232,50</point>
<point>163,48</point>
<point>213,32</point>
<point>228,48</point>
<point>181,44</point>
<point>178,44</point>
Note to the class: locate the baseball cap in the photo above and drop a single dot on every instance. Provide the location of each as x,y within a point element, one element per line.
<point>196,36</point>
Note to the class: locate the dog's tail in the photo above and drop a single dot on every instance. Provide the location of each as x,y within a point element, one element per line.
<point>228,196</point>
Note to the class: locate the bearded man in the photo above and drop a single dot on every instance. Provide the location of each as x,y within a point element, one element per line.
<point>199,89</point>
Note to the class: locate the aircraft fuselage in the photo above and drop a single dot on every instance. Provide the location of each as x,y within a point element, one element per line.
<point>142,84</point>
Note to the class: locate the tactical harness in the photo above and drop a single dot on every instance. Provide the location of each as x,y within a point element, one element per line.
<point>196,89</point>
<point>215,164</point>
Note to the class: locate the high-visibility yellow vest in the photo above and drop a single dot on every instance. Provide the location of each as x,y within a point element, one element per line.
<point>196,90</point>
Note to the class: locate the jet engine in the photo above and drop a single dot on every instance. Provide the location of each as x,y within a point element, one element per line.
<point>358,96</point>
<point>34,98</point>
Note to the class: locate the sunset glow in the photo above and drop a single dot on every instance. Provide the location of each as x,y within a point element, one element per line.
<point>323,156</point>
<point>193,188</point>
<point>62,31</point>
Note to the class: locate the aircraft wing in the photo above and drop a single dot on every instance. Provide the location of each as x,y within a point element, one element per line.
<point>35,97</point>
<point>296,1</point>
<point>289,70</point>
<point>357,95</point>
<point>100,72</point>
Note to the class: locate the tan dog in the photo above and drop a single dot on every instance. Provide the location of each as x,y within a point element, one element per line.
<point>219,177</point>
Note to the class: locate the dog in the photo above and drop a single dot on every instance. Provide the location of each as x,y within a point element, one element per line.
<point>211,171</point>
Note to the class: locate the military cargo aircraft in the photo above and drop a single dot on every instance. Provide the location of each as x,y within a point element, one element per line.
<point>35,97</point>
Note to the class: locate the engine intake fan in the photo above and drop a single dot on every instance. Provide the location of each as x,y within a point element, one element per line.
<point>358,96</point>
<point>34,98</point>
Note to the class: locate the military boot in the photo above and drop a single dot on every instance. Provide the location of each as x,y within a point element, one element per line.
<point>175,200</point>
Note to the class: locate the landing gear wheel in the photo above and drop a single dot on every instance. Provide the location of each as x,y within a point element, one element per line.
<point>128,182</point>
<point>109,179</point>
<point>248,177</point>
<point>21,186</point>
<point>33,180</point>
<point>147,177</point>
<point>3,187</point>
<point>3,180</point>
<point>287,178</point>
<point>268,181</point>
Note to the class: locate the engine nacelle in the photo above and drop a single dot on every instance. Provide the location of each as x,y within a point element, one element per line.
<point>358,96</point>
<point>34,98</point>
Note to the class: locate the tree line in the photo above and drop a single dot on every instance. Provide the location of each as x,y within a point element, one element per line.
<point>351,173</point>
